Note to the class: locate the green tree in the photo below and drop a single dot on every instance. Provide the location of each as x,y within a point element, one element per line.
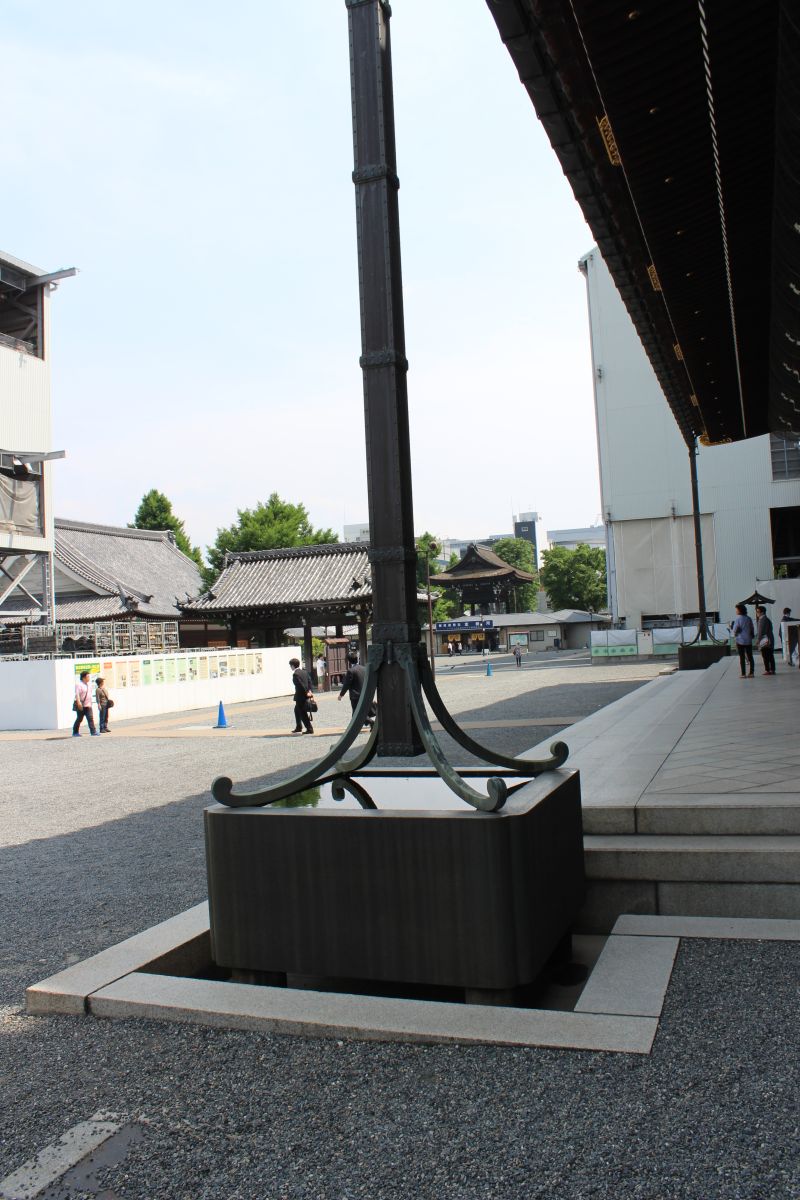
<point>270,526</point>
<point>518,552</point>
<point>446,602</point>
<point>575,578</point>
<point>155,512</point>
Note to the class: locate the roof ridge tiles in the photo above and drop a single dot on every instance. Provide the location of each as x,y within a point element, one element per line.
<point>319,549</point>
<point>153,535</point>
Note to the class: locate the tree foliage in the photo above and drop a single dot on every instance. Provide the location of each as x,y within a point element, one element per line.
<point>575,578</point>
<point>155,512</point>
<point>447,602</point>
<point>270,526</point>
<point>518,552</point>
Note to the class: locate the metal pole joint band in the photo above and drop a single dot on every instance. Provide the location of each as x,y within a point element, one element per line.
<point>383,358</point>
<point>390,554</point>
<point>376,171</point>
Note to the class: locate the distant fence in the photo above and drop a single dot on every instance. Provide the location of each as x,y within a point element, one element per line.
<point>619,643</point>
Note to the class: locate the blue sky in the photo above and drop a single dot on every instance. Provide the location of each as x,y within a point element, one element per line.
<point>193,161</point>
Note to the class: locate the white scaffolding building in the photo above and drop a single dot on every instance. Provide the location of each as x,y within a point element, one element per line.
<point>26,447</point>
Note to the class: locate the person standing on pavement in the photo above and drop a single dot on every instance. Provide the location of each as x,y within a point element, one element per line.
<point>742,629</point>
<point>103,703</point>
<point>765,639</point>
<point>518,655</point>
<point>302,692</point>
<point>785,616</point>
<point>82,705</point>
<point>353,683</point>
<point>321,666</point>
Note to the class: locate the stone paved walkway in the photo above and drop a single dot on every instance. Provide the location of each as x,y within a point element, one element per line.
<point>742,740</point>
<point>704,739</point>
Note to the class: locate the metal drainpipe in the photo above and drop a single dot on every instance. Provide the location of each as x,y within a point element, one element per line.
<point>702,631</point>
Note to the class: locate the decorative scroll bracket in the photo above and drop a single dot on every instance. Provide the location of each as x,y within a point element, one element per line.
<point>333,768</point>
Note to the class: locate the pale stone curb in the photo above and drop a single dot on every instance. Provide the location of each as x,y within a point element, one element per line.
<point>764,929</point>
<point>630,977</point>
<point>618,1009</point>
<point>67,992</point>
<point>321,1014</point>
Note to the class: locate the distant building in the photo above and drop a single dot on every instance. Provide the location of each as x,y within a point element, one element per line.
<point>356,533</point>
<point>26,448</point>
<point>591,535</point>
<point>108,580</point>
<point>525,528</point>
<point>484,582</point>
<point>113,573</point>
<point>261,593</point>
<point>459,546</point>
<point>749,490</point>
<point>567,629</point>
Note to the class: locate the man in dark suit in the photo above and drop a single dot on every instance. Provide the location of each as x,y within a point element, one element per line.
<point>353,683</point>
<point>302,690</point>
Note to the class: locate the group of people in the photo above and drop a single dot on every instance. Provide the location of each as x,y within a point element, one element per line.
<point>82,704</point>
<point>305,705</point>
<point>745,633</point>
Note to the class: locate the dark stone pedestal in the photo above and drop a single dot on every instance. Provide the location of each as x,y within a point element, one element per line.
<point>697,658</point>
<point>437,894</point>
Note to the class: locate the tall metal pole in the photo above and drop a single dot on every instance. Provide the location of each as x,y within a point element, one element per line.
<point>430,612</point>
<point>383,361</point>
<point>702,632</point>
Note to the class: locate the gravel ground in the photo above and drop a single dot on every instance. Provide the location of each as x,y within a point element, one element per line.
<point>108,840</point>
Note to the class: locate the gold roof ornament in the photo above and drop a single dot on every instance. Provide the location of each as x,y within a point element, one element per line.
<point>609,141</point>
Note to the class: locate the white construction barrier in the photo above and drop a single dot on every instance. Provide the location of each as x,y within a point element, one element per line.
<point>38,693</point>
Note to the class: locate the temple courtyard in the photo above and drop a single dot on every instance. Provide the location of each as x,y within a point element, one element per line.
<point>103,840</point>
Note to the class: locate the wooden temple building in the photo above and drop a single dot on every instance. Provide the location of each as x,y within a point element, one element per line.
<point>485,583</point>
<point>261,593</point>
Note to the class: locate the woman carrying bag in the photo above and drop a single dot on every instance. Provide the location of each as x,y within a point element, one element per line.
<point>104,703</point>
<point>765,639</point>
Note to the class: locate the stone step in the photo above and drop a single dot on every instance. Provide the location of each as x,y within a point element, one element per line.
<point>724,814</point>
<point>729,859</point>
<point>669,875</point>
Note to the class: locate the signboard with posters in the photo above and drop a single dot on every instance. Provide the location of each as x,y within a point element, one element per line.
<point>92,667</point>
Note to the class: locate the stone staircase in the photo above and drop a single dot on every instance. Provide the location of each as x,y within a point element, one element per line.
<point>691,798</point>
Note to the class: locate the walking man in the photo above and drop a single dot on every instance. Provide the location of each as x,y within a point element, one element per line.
<point>353,683</point>
<point>518,655</point>
<point>743,633</point>
<point>83,705</point>
<point>302,691</point>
